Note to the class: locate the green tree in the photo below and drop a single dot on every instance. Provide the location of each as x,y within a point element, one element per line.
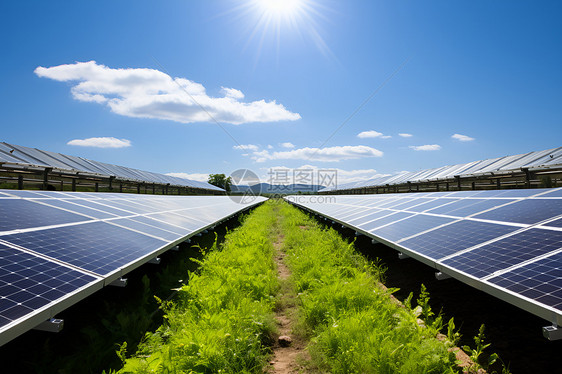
<point>220,180</point>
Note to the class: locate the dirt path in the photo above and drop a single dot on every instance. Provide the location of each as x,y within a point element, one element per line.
<point>289,348</point>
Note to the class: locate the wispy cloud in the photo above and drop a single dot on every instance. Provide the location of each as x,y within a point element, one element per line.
<point>195,176</point>
<point>287,145</point>
<point>405,135</point>
<point>462,138</point>
<point>150,93</point>
<point>246,147</point>
<point>329,154</point>
<point>427,147</point>
<point>292,174</point>
<point>372,134</point>
<point>102,142</point>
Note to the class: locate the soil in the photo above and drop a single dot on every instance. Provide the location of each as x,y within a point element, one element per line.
<point>286,358</point>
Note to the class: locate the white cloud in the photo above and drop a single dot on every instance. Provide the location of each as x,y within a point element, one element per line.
<point>150,93</point>
<point>103,142</point>
<point>269,146</point>
<point>246,147</point>
<point>462,138</point>
<point>372,134</point>
<point>329,154</point>
<point>427,147</point>
<point>195,176</point>
<point>287,145</point>
<point>232,93</point>
<point>405,135</point>
<point>343,176</point>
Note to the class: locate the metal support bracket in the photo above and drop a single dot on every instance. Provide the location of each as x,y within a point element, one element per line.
<point>357,233</point>
<point>120,282</point>
<point>441,276</point>
<point>374,241</point>
<point>154,261</point>
<point>175,248</point>
<point>402,256</point>
<point>50,325</point>
<point>187,241</point>
<point>552,332</point>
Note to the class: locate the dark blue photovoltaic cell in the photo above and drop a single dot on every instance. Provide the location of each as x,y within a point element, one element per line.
<point>540,281</point>
<point>21,214</point>
<point>358,214</point>
<point>28,283</point>
<point>410,226</point>
<point>98,246</point>
<point>128,206</point>
<point>430,204</point>
<point>369,217</point>
<point>344,211</point>
<point>23,193</point>
<point>554,193</point>
<point>66,204</point>
<point>455,237</point>
<point>405,205</point>
<point>555,223</point>
<point>510,193</point>
<point>446,209</point>
<point>478,206</point>
<point>177,220</point>
<point>526,211</point>
<point>384,220</point>
<point>146,229</point>
<point>504,253</point>
<point>104,208</point>
<point>162,225</point>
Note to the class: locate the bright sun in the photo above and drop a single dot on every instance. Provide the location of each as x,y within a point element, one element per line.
<point>280,8</point>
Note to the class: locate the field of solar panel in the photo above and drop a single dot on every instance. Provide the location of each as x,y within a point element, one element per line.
<point>58,248</point>
<point>505,242</point>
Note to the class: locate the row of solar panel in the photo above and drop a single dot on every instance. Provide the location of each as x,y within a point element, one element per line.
<point>511,239</point>
<point>539,159</point>
<point>16,154</point>
<point>54,246</point>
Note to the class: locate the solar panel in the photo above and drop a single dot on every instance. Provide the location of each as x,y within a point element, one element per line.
<point>507,252</point>
<point>28,283</point>
<point>146,229</point>
<point>57,248</point>
<point>525,211</point>
<point>16,214</point>
<point>410,226</point>
<point>555,223</point>
<point>455,237</point>
<point>540,281</point>
<point>98,246</point>
<point>506,242</point>
<point>430,204</point>
<point>74,205</point>
<point>468,207</point>
<point>369,226</point>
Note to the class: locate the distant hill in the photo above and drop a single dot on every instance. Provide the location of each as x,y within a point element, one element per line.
<point>280,189</point>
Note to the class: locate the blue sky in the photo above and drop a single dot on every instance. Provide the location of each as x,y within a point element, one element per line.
<point>181,85</point>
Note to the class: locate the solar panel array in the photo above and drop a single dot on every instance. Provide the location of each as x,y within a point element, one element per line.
<point>505,242</point>
<point>58,247</point>
<point>546,159</point>
<point>20,155</point>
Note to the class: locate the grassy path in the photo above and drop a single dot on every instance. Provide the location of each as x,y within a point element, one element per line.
<point>281,273</point>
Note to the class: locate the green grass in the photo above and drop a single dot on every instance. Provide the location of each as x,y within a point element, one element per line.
<point>222,320</point>
<point>353,324</point>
